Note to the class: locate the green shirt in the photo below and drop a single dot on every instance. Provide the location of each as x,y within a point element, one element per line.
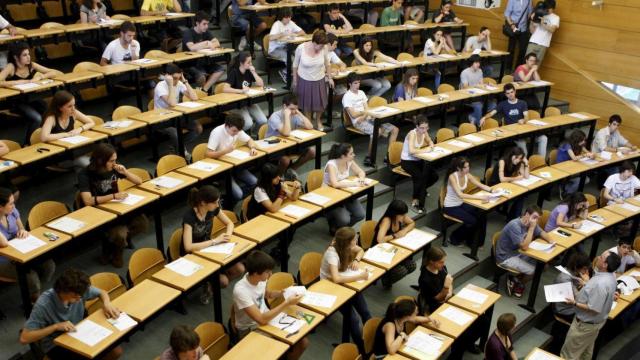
<point>391,17</point>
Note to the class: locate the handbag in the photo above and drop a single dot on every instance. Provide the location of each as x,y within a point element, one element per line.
<point>506,28</point>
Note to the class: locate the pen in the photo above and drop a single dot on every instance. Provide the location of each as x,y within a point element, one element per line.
<point>292,334</point>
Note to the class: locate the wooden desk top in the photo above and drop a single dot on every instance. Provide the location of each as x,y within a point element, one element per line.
<point>374,274</point>
<point>535,185</point>
<point>5,93</point>
<point>482,138</point>
<point>261,228</point>
<point>631,298</point>
<point>92,136</point>
<point>621,210</point>
<point>620,306</point>
<point>548,356</point>
<point>474,307</point>
<point>334,195</point>
<point>543,256</point>
<point>566,241</point>
<point>16,255</point>
<point>497,133</point>
<point>269,348</point>
<point>572,118</point>
<point>183,56</point>
<point>571,167</point>
<point>91,217</point>
<point>373,112</point>
<point>396,356</point>
<point>224,98</point>
<point>29,154</point>
<point>609,217</point>
<point>38,33</point>
<point>549,173</point>
<point>433,353</point>
<point>242,247</point>
<point>633,201</point>
<point>259,91</point>
<point>149,63</point>
<point>235,162</point>
<point>6,38</point>
<point>424,236</point>
<point>156,116</point>
<point>153,188</point>
<point>98,317</point>
<point>145,299</point>
<point>119,208</point>
<point>438,152</point>
<point>10,165</point>
<point>455,145</point>
<point>116,69</point>
<point>304,330</point>
<point>145,19</point>
<point>221,167</point>
<point>78,76</point>
<point>216,52</point>
<point>314,135</point>
<point>356,190</point>
<point>42,85</point>
<point>118,131</point>
<point>521,128</point>
<point>183,283</point>
<point>79,27</point>
<point>182,15</point>
<point>449,327</point>
<point>188,110</point>
<point>341,293</point>
<point>313,209</point>
<point>408,105</point>
<point>284,143</point>
<point>513,188</point>
<point>400,255</point>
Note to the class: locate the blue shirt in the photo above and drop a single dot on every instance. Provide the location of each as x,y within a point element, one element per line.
<point>551,222</point>
<point>597,293</point>
<point>400,93</point>
<point>510,239</point>
<point>235,7</point>
<point>514,10</point>
<point>11,231</point>
<point>276,121</point>
<point>512,112</point>
<point>563,153</point>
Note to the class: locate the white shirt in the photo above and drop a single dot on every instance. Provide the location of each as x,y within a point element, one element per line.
<point>542,36</point>
<point>405,154</point>
<point>334,58</point>
<point>621,189</point>
<point>220,139</point>
<point>339,176</point>
<point>279,28</point>
<point>310,68</point>
<point>162,89</point>
<point>355,101</point>
<point>245,295</point>
<point>428,46</point>
<point>3,22</point>
<point>116,54</point>
<point>260,195</point>
<point>330,257</point>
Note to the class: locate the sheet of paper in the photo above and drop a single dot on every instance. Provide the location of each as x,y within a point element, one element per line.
<point>27,244</point>
<point>579,116</point>
<point>381,254</point>
<point>90,333</point>
<point>532,179</point>
<point>588,161</point>
<point>437,152</point>
<point>312,298</point>
<point>224,248</point>
<point>539,355</point>
<point>184,267</point>
<point>6,163</point>
<point>190,104</point>
<point>78,139</point>
<point>472,295</point>
<point>204,166</point>
<point>588,227</point>
<point>385,64</point>
<point>558,292</point>
<point>299,134</point>
<point>491,87</point>
<point>293,290</point>
<point>635,274</point>
<point>123,322</point>
<point>144,61</point>
<point>173,14</point>
<point>111,22</point>
<point>473,138</point>
<point>476,52</point>
<point>541,246</point>
<point>254,92</point>
<point>563,270</point>
<point>537,122</point>
<point>315,198</point>
<point>460,144</point>
<point>627,284</point>
<point>350,272</point>
<point>294,211</point>
<point>476,91</point>
<point>286,323</point>
<point>415,239</point>
<point>539,83</point>
<point>630,207</point>
<point>545,174</point>
<point>239,154</point>
<point>265,144</point>
<point>130,200</point>
<point>66,224</point>
<point>121,124</point>
<point>424,343</point>
<point>166,182</point>
<point>447,56</point>
<point>455,315</point>
<point>613,305</point>
<point>606,155</point>
<point>26,86</point>
<point>424,100</point>
<point>383,110</point>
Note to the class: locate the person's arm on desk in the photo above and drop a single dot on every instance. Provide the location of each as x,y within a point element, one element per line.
<point>336,277</point>
<point>28,336</point>
<point>110,311</point>
<point>263,318</point>
<point>4,149</point>
<point>501,175</point>
<point>86,121</point>
<point>43,72</point>
<point>46,135</point>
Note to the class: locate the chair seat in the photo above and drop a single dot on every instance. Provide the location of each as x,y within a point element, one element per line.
<point>400,171</point>
<point>510,270</point>
<point>452,218</point>
<point>355,130</point>
<point>133,141</point>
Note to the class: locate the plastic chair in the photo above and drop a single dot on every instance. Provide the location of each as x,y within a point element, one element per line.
<point>348,124</point>
<point>124,111</point>
<point>245,208</point>
<point>500,269</point>
<point>552,111</point>
<point>124,184</point>
<point>490,123</point>
<point>488,174</point>
<point>394,152</point>
<point>636,243</point>
<point>218,227</point>
<point>443,88</point>
<point>12,145</point>
<point>466,128</point>
<point>447,220</point>
<point>143,264</point>
<point>536,162</point>
<point>35,136</point>
<point>422,91</point>
<point>175,243</point>
<point>544,218</point>
<point>553,156</point>
<point>169,163</point>
<point>593,202</point>
<point>44,212</point>
<point>367,233</point>
<point>488,80</point>
<point>277,282</point>
<point>309,268</point>
<point>346,351</point>
<point>405,57</point>
<point>91,93</point>
<point>369,334</point>
<point>506,79</point>
<point>60,49</point>
<point>24,11</point>
<point>111,283</point>
<point>375,101</point>
<point>315,179</point>
<point>157,54</point>
<point>121,16</point>
<point>602,201</point>
<point>444,134</point>
<point>533,114</point>
<point>219,89</point>
<point>214,341</point>
<point>199,152</point>
<point>262,131</point>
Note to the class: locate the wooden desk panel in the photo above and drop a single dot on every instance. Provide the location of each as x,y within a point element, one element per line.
<point>566,241</point>
<point>145,299</point>
<point>437,353</point>
<point>116,69</point>
<point>254,343</point>
<point>42,85</point>
<point>119,131</point>
<point>513,188</point>
<point>543,256</point>
<point>32,153</point>
<point>92,136</point>
<point>359,189</point>
<point>201,174</point>
<point>571,167</point>
<point>313,209</point>
<point>497,133</point>
<point>235,162</point>
<point>448,327</point>
<point>472,306</point>
<point>225,98</point>
<point>334,195</point>
<point>204,105</point>
<point>314,134</point>
<point>283,144</point>
<point>619,209</point>
<point>534,355</point>
<point>609,217</point>
<point>400,255</point>
<point>549,173</point>
<point>184,283</point>
<point>17,256</point>
<point>261,228</point>
<point>156,116</point>
<point>242,247</point>
<point>91,217</point>
<point>374,274</point>
<point>341,293</point>
<point>78,76</point>
<point>620,306</point>
<point>119,208</point>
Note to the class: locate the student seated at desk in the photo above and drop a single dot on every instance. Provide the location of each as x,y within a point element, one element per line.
<point>515,236</point>
<point>222,141</point>
<point>334,22</point>
<point>569,213</point>
<point>344,254</point>
<point>513,166</point>
<point>241,19</point>
<point>197,222</point>
<point>391,334</point>
<point>59,309</point>
<point>529,70</point>
<point>578,266</point>
<point>392,16</point>
<point>281,123</point>
<point>184,344</point>
<point>621,186</point>
<point>573,149</point>
<point>365,54</point>
<point>436,44</point>
<point>93,11</point>
<point>355,103</point>
<point>610,139</point>
<point>98,184</point>
<point>271,193</point>
<point>124,48</point>
<point>167,94</point>
<point>159,7</point>
<point>500,344</point>
<point>21,70</point>
<point>249,306</point>
<point>11,227</point>
<point>470,77</point>
<point>394,224</point>
<point>480,42</point>
<point>336,171</point>
<point>200,38</point>
<point>628,256</point>
<point>282,30</point>
<point>407,89</point>
<point>5,179</point>
<point>422,174</point>
<point>239,79</point>
<point>446,15</point>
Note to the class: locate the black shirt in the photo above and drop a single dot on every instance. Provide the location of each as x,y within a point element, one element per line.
<point>379,343</point>
<point>255,208</point>
<point>98,183</point>
<point>431,285</point>
<point>334,24</point>
<point>190,35</point>
<point>200,229</point>
<point>236,79</point>
<point>447,18</point>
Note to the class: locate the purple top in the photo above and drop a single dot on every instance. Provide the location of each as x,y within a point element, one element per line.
<point>168,354</point>
<point>551,222</point>
<point>11,231</point>
<point>494,350</point>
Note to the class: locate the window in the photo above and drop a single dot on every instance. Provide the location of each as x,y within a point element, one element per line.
<point>629,94</point>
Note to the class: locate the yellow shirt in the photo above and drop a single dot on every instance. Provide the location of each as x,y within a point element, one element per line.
<point>157,5</point>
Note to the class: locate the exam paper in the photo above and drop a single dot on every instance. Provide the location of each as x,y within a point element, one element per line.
<point>436,153</point>
<point>144,61</point>
<point>190,104</point>
<point>456,316</point>
<point>446,56</point>
<point>473,138</point>
<point>184,267</point>
<point>293,290</point>
<point>545,174</point>
<point>166,182</point>
<point>613,305</point>
<point>265,144</point>
<point>558,292</point>
<point>627,284</point>
<point>630,207</point>
<point>415,239</point>
<point>118,124</point>
<point>66,224</point>
<point>537,122</point>
<point>350,272</point>
<point>299,134</point>
<point>424,100</point>
<point>476,52</point>
<point>123,322</point>
<point>286,323</point>
<point>532,179</point>
<point>173,14</point>
<point>578,116</point>
<point>239,154</point>
<point>606,155</point>
<point>588,161</point>
<point>385,64</point>
<point>474,91</point>
<point>204,166</point>
<point>490,87</point>
<point>381,254</point>
<point>472,295</point>
<point>224,248</point>
<point>383,110</point>
<point>318,299</point>
<point>539,83</point>
<point>254,92</point>
<point>27,244</point>
<point>78,139</point>
<point>635,273</point>
<point>26,86</point>
<point>563,270</point>
<point>90,333</point>
<point>294,211</point>
<point>315,198</point>
<point>541,246</point>
<point>130,200</point>
<point>424,343</point>
<point>460,144</point>
<point>588,227</point>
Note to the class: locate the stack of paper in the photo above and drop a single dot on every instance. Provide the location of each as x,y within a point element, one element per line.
<point>190,104</point>
<point>541,246</point>
<point>294,211</point>
<point>578,116</point>
<point>558,292</point>
<point>415,239</point>
<point>471,295</point>
<point>315,198</point>
<point>473,138</point>
<point>424,343</point>
<point>27,244</point>
<point>239,154</point>
<point>299,134</point>
<point>204,166</point>
<point>121,124</point>
<point>78,139</point>
<point>627,284</point>
<point>130,200</point>
<point>381,254</point>
<point>184,267</point>
<point>66,224</point>
<point>224,248</point>
<point>293,290</point>
<point>286,323</point>
<point>458,143</point>
<point>90,333</point>
<point>166,182</point>
<point>318,299</point>
<point>457,316</point>
<point>123,322</point>
<point>26,86</point>
<point>424,100</point>
<point>588,227</point>
<point>537,122</point>
<point>528,181</point>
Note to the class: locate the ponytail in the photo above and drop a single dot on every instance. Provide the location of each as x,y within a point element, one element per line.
<point>338,150</point>
<point>400,309</point>
<point>206,194</point>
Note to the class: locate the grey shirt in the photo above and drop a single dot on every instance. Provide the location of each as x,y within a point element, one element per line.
<point>470,77</point>
<point>49,310</point>
<point>101,13</point>
<point>605,139</point>
<point>626,261</point>
<point>276,121</point>
<point>474,44</point>
<point>561,307</point>
<point>597,294</point>
<point>510,239</point>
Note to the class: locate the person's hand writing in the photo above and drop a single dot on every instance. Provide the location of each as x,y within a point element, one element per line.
<point>253,152</point>
<point>22,234</point>
<point>111,311</point>
<point>295,299</point>
<point>121,195</point>
<point>65,326</point>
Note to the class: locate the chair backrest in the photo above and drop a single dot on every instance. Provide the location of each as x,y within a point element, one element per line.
<point>553,156</point>
<point>200,93</point>
<point>367,233</point>
<point>24,11</point>
<point>12,145</point>
<point>219,88</point>
<point>488,174</point>
<point>490,123</point>
<point>369,333</point>
<point>441,196</point>
<point>309,268</point>
<point>199,152</point>
<point>346,119</point>
<point>214,341</point>
<point>109,282</point>
<point>245,208</point>
<point>265,46</point>
<point>488,80</point>
<point>155,54</point>
<point>124,111</point>
<point>96,120</point>
<point>551,111</point>
<point>144,263</point>
<point>533,114</point>
<point>35,136</point>
<point>173,250</point>
<point>602,202</point>
<point>124,184</point>
<point>277,282</point>
<point>506,79</point>
<point>151,104</point>
<point>443,88</point>
<point>405,57</point>
<point>536,162</point>
<point>218,227</point>
<point>494,241</point>
<point>120,17</point>
<point>169,163</point>
<point>44,212</point>
<point>423,91</point>
<point>262,131</point>
<point>593,202</point>
<point>544,218</point>
<point>636,243</point>
<point>346,351</point>
<point>377,101</point>
<point>315,178</point>
<point>90,93</point>
<point>444,134</point>
<point>367,27</point>
<point>395,150</point>
<point>466,128</point>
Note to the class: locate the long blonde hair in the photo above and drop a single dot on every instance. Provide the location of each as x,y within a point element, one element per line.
<point>342,244</point>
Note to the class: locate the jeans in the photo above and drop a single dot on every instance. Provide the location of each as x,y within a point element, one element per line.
<point>242,181</point>
<point>250,114</point>
<point>469,216</point>
<point>359,305</point>
<point>32,113</point>
<point>521,40</point>
<point>347,215</point>
<point>571,185</point>
<point>378,86</point>
<point>422,177</point>
<point>477,114</point>
<point>541,145</point>
<point>343,50</point>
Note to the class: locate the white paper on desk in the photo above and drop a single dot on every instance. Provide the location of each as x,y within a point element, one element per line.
<point>472,138</point>
<point>6,163</point>
<point>350,272</point>
<point>254,92</point>
<point>415,239</point>
<point>27,244</point>
<point>589,226</point>
<point>579,116</point>
<point>66,224</point>
<point>239,154</point>
<point>224,248</point>
<point>121,124</point>
<point>537,122</point>
<point>264,144</point>
<point>381,254</point>
<point>204,166</point>
<point>456,316</point>
<point>491,87</point>
<point>558,292</point>
<point>474,91</point>
<point>111,22</point>
<point>424,343</point>
<point>26,86</point>
<point>532,179</point>
<point>78,139</point>
<point>173,14</point>
<point>385,64</point>
<point>90,333</point>
<point>4,36</point>
<point>130,200</point>
<point>472,295</point>
<point>184,267</point>
<point>293,290</point>
<point>460,144</point>
<point>315,198</point>
<point>166,182</point>
<point>476,52</point>
<point>630,207</point>
<point>635,274</point>
<point>437,152</point>
<point>492,196</point>
<point>405,62</point>
<point>294,211</point>
<point>627,284</point>
<point>588,161</point>
<point>299,134</point>
<point>541,246</point>
<point>123,322</point>
<point>286,323</point>
<point>446,56</point>
<point>312,298</point>
<point>383,110</point>
<point>539,355</point>
<point>144,61</point>
<point>539,83</point>
<point>424,100</point>
<point>409,26</point>
<point>545,174</point>
<point>613,305</point>
<point>190,104</point>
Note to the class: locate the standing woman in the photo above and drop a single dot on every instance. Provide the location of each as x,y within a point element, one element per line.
<point>311,72</point>
<point>394,224</point>
<point>270,192</point>
<point>93,11</point>
<point>240,76</point>
<point>408,88</point>
<point>339,167</point>
<point>513,166</point>
<point>436,44</point>
<point>500,344</point>
<point>21,70</point>
<point>422,175</point>
<point>365,54</point>
<point>11,227</point>
<point>391,333</point>
<point>197,223</point>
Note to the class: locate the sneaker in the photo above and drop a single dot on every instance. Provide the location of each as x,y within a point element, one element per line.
<point>283,74</point>
<point>207,294</point>
<point>415,207</point>
<point>243,43</point>
<point>291,175</point>
<point>256,46</point>
<point>510,286</point>
<point>518,291</point>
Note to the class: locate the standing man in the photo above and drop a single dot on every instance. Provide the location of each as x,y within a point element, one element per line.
<point>200,38</point>
<point>592,304</point>
<point>543,31</point>
<point>517,15</point>
<point>124,48</point>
